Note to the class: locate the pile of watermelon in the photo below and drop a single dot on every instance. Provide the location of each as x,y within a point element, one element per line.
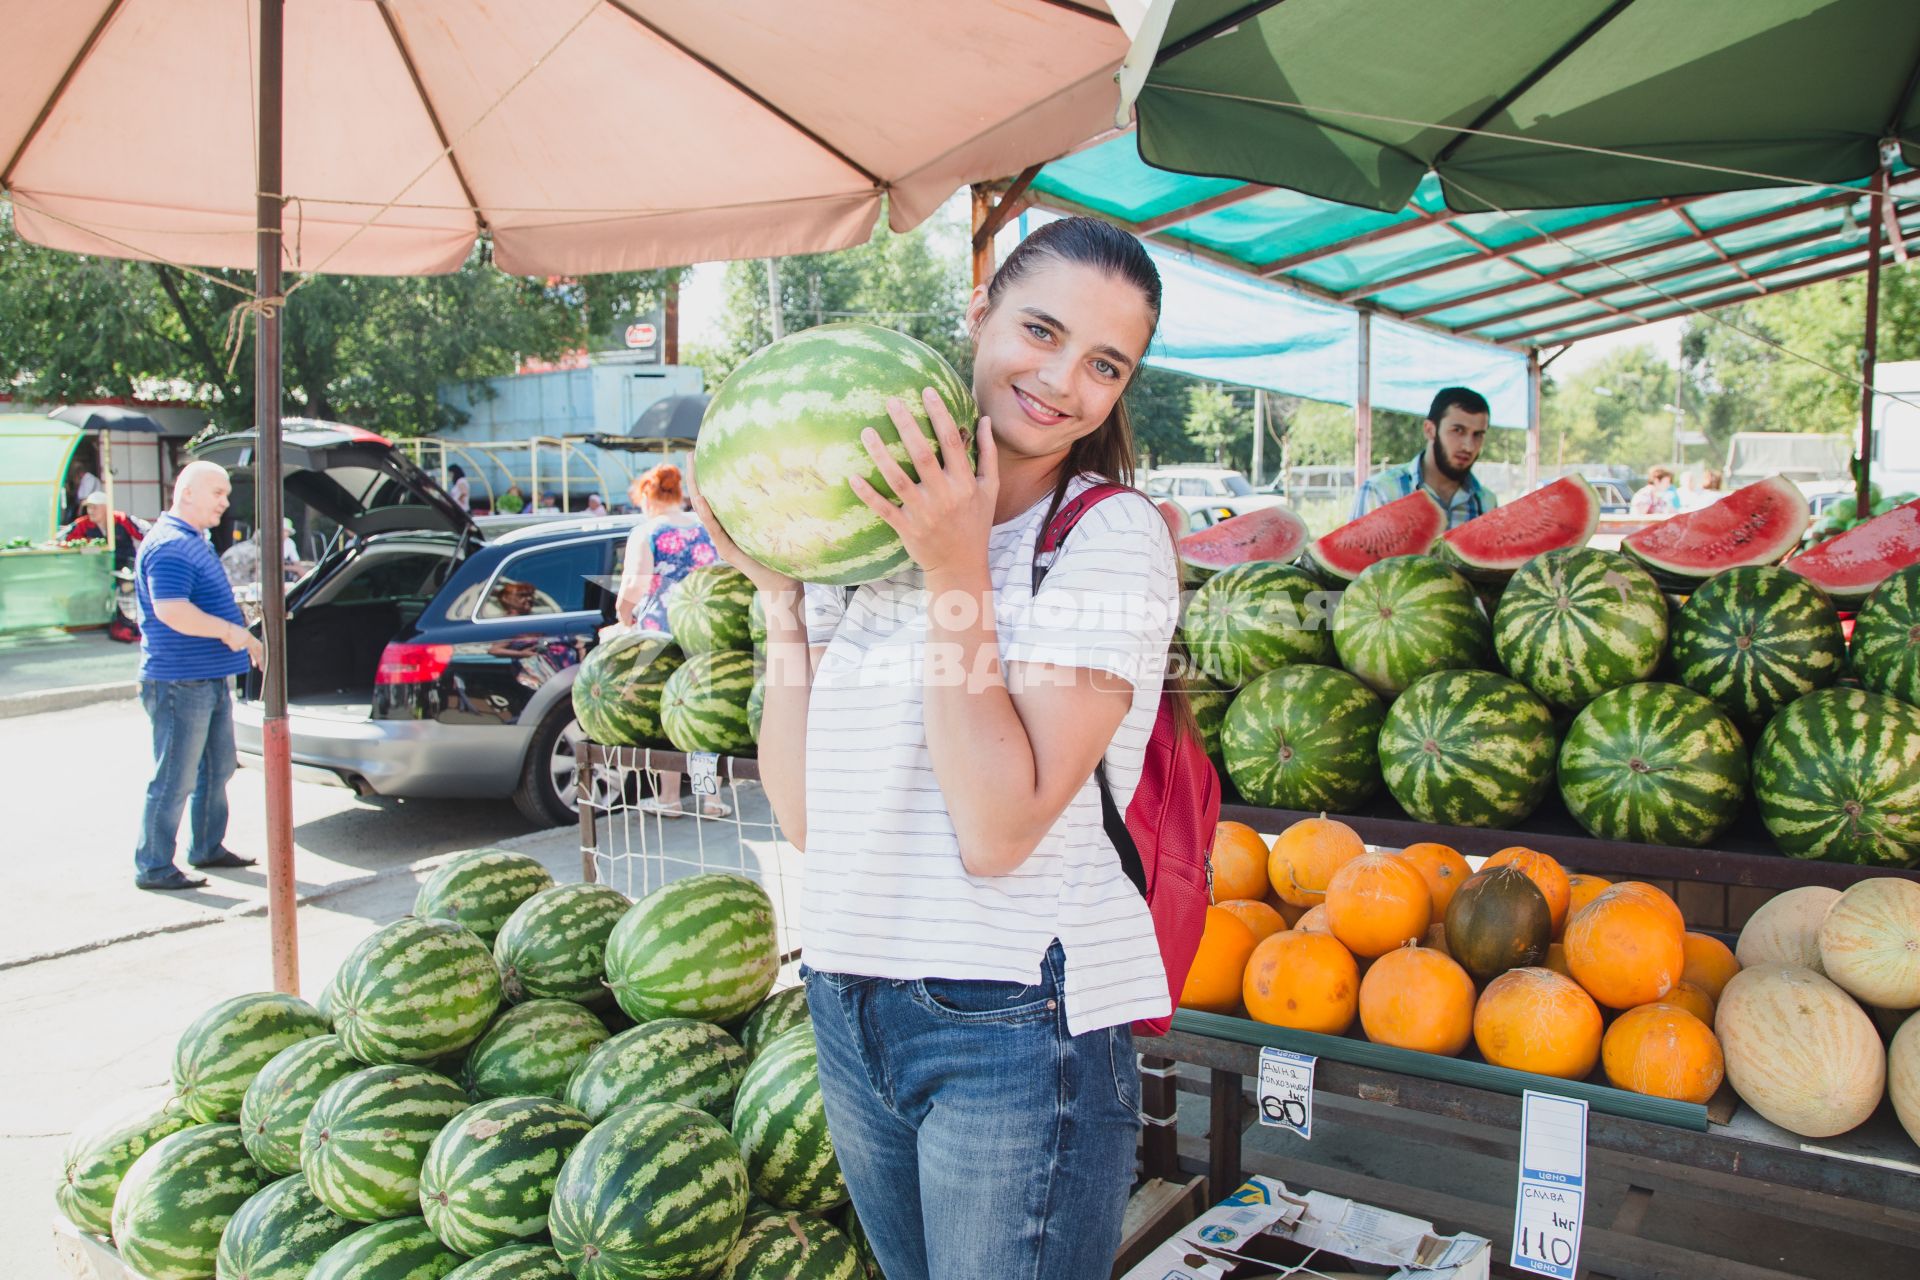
<point>1471,674</point>
<point>520,1081</point>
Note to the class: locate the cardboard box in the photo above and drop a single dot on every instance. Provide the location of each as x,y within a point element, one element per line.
<point>1265,1226</point>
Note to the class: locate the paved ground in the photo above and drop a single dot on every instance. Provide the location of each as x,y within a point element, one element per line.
<point>51,669</point>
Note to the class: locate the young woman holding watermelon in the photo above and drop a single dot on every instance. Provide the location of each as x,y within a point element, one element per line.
<point>975,952</point>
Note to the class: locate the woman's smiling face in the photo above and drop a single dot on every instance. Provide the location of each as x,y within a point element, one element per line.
<point>1054,352</point>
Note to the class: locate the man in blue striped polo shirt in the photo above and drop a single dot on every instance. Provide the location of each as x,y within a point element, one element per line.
<point>193,641</point>
<point>1456,431</point>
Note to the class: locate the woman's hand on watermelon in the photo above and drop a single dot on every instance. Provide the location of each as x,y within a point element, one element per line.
<point>944,518</point>
<point>763,578</point>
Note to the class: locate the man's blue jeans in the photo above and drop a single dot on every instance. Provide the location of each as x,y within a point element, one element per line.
<point>980,1140</point>
<point>192,753</point>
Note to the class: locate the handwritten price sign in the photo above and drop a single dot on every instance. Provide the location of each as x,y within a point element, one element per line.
<point>1551,1205</point>
<point>1286,1090</point>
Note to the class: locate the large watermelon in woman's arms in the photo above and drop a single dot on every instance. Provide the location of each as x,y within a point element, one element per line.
<point>1406,617</point>
<point>1468,749</point>
<point>1491,547</point>
<point>1754,525</point>
<point>1407,526</point>
<point>1254,617</point>
<point>1304,738</point>
<point>1573,624</point>
<point>1271,533</point>
<point>1654,763</point>
<point>704,704</point>
<point>1837,775</point>
<point>781,438</point>
<point>1886,638</point>
<point>616,696</point>
<point>1756,638</point>
<point>480,889</point>
<point>414,991</point>
<point>710,609</point>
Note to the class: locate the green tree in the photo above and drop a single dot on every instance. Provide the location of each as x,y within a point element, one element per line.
<point>1213,421</point>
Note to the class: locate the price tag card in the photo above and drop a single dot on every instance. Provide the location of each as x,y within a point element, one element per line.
<point>1286,1090</point>
<point>703,773</point>
<point>1551,1205</point>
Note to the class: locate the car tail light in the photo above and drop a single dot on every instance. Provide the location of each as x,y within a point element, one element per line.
<point>412,663</point>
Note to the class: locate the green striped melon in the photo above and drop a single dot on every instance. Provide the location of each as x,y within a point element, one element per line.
<point>791,1246</point>
<point>552,948</point>
<point>857,1232</point>
<point>273,1115</point>
<point>515,1262</point>
<point>1304,738</point>
<point>1653,763</point>
<point>217,1057</point>
<point>780,1122</point>
<point>777,1013</point>
<point>404,1249</point>
<point>699,947</point>
<point>532,1049</point>
<point>479,890</point>
<point>756,706</point>
<point>708,610</point>
<point>655,1192</point>
<point>1886,638</point>
<point>781,438</point>
<point>1405,617</point>
<point>757,623</point>
<point>488,1177</point>
<point>1209,706</point>
<point>414,991</point>
<point>323,1003</point>
<point>279,1234</point>
<point>679,1060</point>
<point>177,1199</point>
<point>1754,639</point>
<point>101,1151</point>
<point>1837,775</point>
<point>1468,749</point>
<point>367,1135</point>
<point>616,695</point>
<point>1573,624</point>
<point>704,705</point>
<point>1255,617</point>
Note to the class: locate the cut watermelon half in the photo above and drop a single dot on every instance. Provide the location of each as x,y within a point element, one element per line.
<point>1758,524</point>
<point>1491,547</point>
<point>1848,566</point>
<point>1271,533</point>
<point>1407,526</point>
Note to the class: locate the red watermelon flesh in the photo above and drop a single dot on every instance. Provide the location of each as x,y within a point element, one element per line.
<point>1271,533</point>
<point>1491,547</point>
<point>1849,565</point>
<point>1757,524</point>
<point>1407,526</point>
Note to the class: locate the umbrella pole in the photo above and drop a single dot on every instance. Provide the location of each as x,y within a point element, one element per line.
<point>1870,348</point>
<point>275,744</point>
<point>1363,406</point>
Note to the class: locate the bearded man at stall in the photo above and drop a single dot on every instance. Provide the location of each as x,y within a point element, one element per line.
<point>1456,431</point>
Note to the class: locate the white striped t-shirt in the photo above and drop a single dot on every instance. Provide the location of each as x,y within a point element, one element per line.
<point>885,892</point>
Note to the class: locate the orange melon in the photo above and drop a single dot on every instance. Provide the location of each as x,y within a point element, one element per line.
<point>1213,983</point>
<point>1314,921</point>
<point>1582,889</point>
<point>1377,902</point>
<point>1799,1050</point>
<point>1535,1020</point>
<point>1688,996</point>
<point>1546,874</point>
<point>1306,855</point>
<point>1663,1051</point>
<point>1658,897</point>
<point>1442,868</point>
<point>1257,916</point>
<point>1239,860</point>
<point>1870,942</point>
<point>1306,981</point>
<point>1710,963</point>
<point>1417,998</point>
<point>1624,949</point>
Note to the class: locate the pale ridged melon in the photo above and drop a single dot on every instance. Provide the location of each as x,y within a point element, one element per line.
<point>1903,1075</point>
<point>1787,929</point>
<point>1870,943</point>
<point>1799,1050</point>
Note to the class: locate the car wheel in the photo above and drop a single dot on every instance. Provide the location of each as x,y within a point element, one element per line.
<point>546,794</point>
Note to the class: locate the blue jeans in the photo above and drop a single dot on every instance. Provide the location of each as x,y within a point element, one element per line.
<point>979,1139</point>
<point>192,752</point>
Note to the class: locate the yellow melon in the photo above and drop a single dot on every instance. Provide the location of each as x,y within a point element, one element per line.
<point>1870,942</point>
<point>1787,929</point>
<point>1799,1050</point>
<point>1903,1075</point>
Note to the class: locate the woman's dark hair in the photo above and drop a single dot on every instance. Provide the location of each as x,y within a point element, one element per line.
<point>455,473</point>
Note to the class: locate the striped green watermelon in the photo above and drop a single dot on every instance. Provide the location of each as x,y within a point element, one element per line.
<point>177,1198</point>
<point>1573,624</point>
<point>552,947</point>
<point>1837,775</point>
<point>704,705</point>
<point>323,1003</point>
<point>414,991</point>
<point>756,706</point>
<point>777,1013</point>
<point>655,1192</point>
<point>1255,617</point>
<point>780,1122</point>
<point>857,1232</point>
<point>1756,638</point>
<point>515,1262</point>
<point>791,1246</point>
<point>1304,738</point>
<point>616,695</point>
<point>479,890</point>
<point>279,1234</point>
<point>532,1049</point>
<point>707,610</point>
<point>1886,638</point>
<point>757,623</point>
<point>273,1115</point>
<point>1653,763</point>
<point>1209,706</point>
<point>488,1177</point>
<point>1468,749</point>
<point>699,947</point>
<point>679,1060</point>
<point>404,1249</point>
<point>101,1151</point>
<point>217,1057</point>
<point>781,438</point>
<point>368,1133</point>
<point>1405,617</point>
